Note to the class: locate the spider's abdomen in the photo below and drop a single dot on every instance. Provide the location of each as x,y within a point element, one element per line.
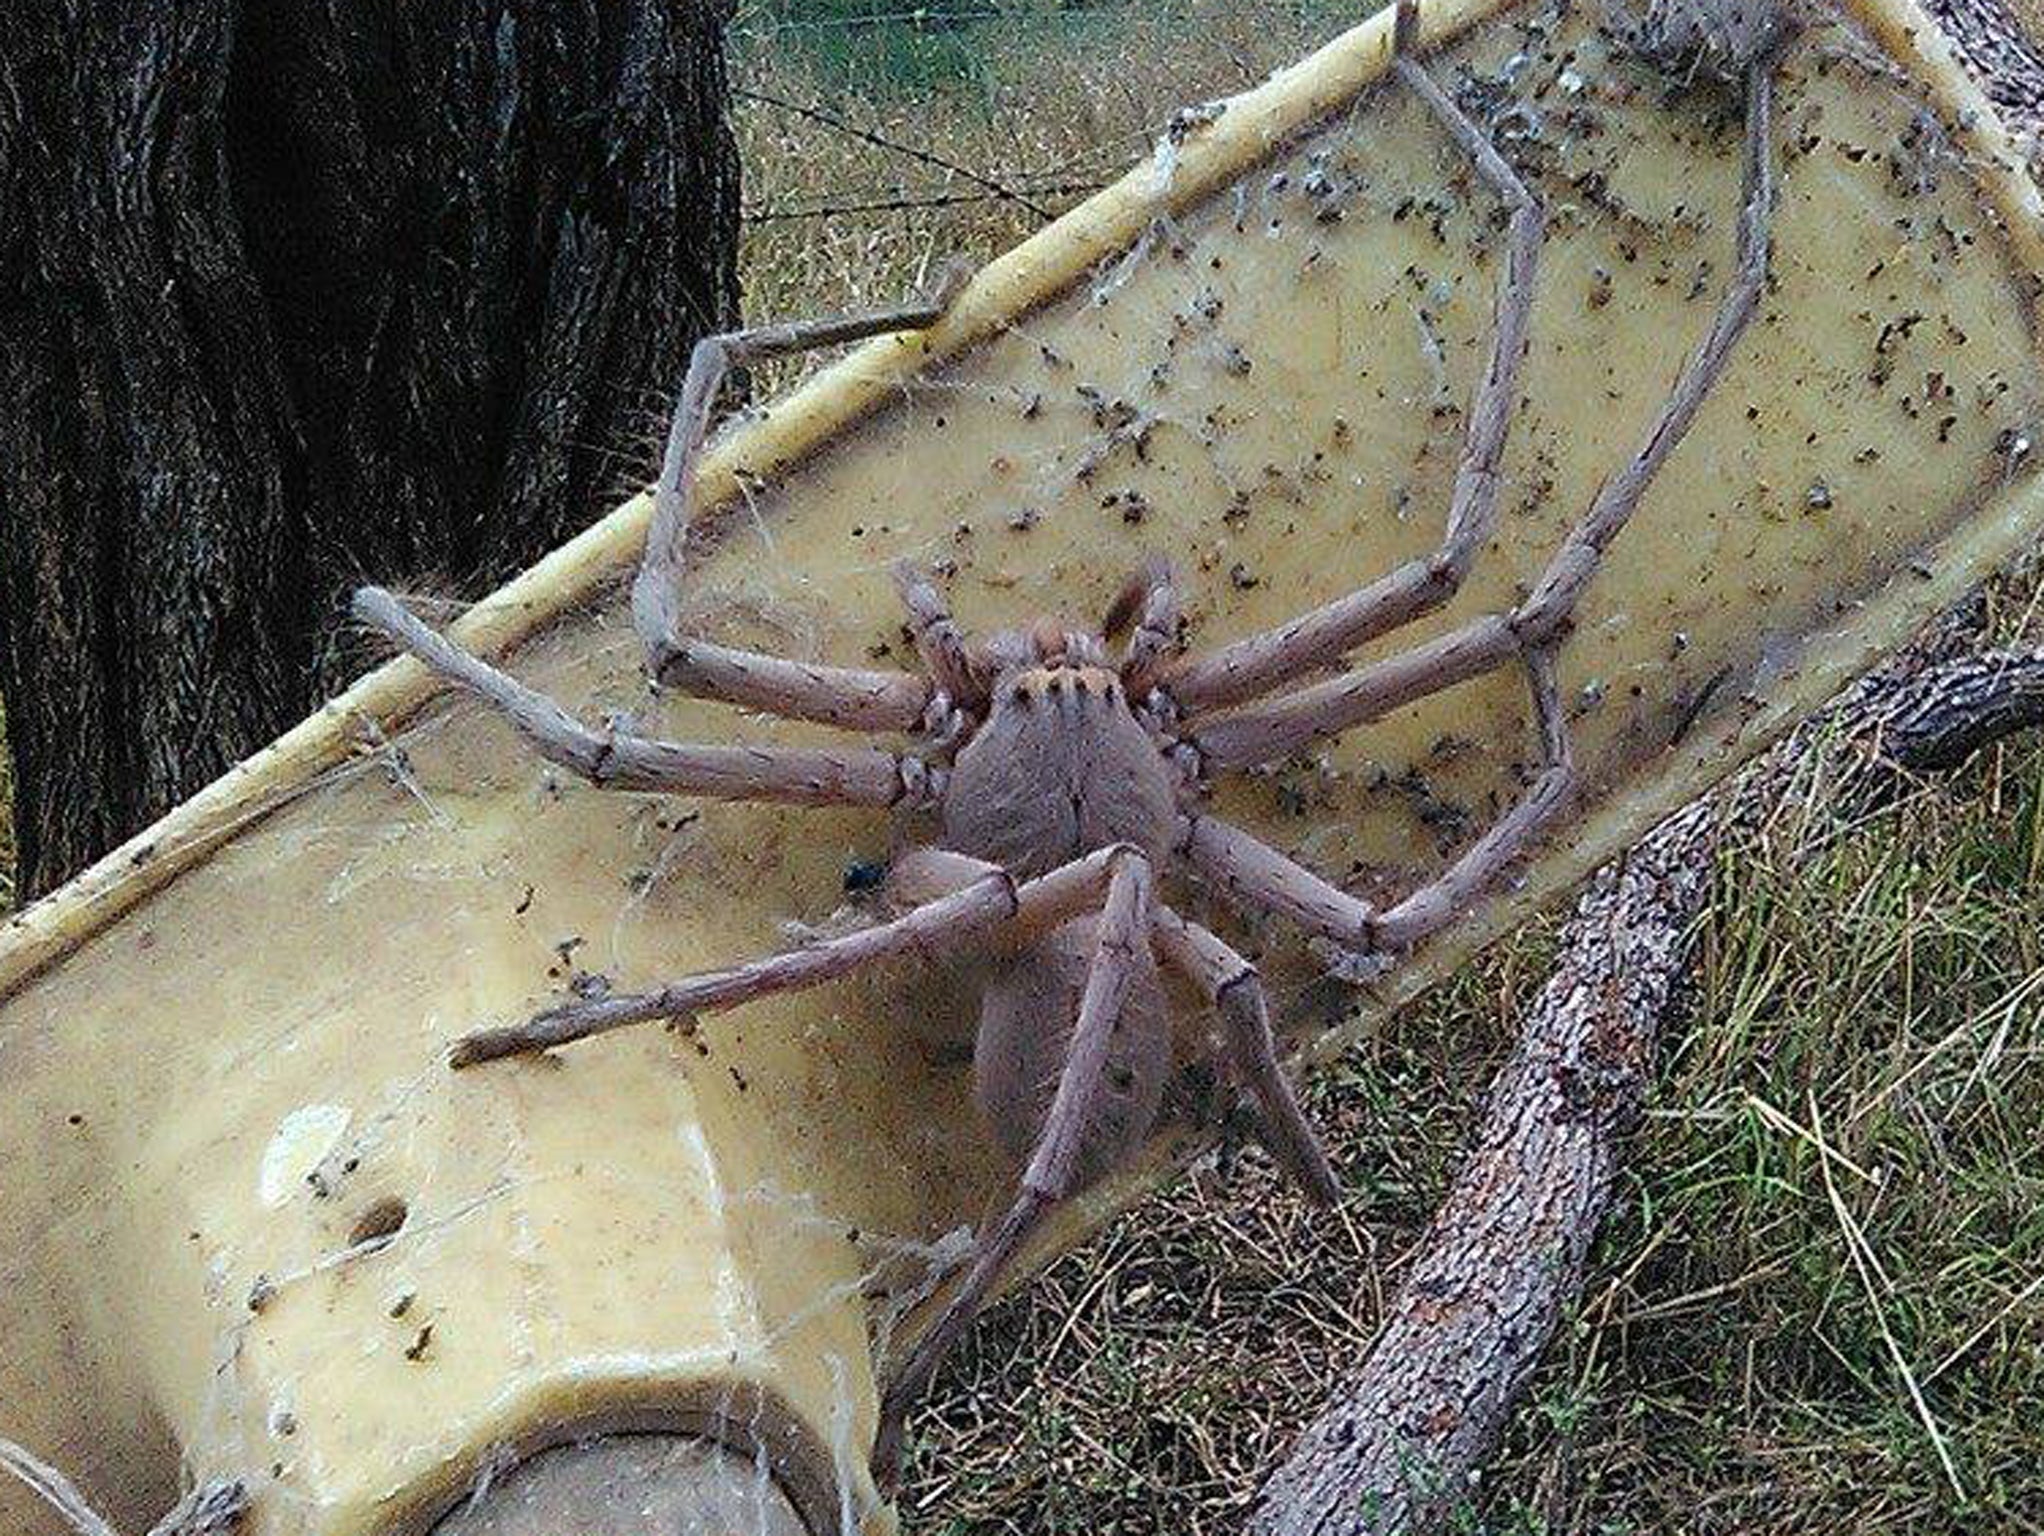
<point>1059,769</point>
<point>1027,1013</point>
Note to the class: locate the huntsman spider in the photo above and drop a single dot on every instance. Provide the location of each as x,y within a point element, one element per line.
<point>1065,767</point>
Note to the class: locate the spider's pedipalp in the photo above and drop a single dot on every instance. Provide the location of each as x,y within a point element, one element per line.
<point>938,639</point>
<point>1156,628</point>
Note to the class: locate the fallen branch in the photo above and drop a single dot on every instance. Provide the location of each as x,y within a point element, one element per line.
<point>1397,1449</point>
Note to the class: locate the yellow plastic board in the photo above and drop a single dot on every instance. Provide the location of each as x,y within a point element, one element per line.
<point>250,1218</point>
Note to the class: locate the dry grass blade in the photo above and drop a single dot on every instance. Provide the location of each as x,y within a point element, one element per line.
<point>1964,1349</point>
<point>1863,1263</point>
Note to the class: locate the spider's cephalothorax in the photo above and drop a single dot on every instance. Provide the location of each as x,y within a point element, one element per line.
<point>1067,778</point>
<point>1060,766</point>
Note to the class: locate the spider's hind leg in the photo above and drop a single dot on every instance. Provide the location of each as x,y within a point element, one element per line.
<point>1232,985</point>
<point>1436,904</point>
<point>1058,1162</point>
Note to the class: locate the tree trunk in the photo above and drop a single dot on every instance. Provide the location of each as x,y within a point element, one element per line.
<point>294,293</point>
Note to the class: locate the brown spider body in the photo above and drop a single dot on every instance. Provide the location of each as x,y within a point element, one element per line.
<point>1067,782</point>
<point>1028,1008</point>
<point>1061,768</point>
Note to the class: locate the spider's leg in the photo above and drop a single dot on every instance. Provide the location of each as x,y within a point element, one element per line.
<point>1267,732</point>
<point>1258,663</point>
<point>855,698</point>
<point>656,591</point>
<point>1053,1168</point>
<point>1436,904</point>
<point>614,760</point>
<point>1236,991</point>
<point>975,901</point>
<point>1251,873</point>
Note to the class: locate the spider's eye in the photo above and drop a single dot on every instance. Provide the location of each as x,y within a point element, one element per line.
<point>863,875</point>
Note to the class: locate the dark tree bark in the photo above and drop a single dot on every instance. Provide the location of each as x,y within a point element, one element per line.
<point>294,292</point>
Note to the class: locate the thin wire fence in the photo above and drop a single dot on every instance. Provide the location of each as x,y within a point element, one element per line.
<point>876,111</point>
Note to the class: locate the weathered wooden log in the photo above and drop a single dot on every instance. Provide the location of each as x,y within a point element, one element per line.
<point>1398,1448</point>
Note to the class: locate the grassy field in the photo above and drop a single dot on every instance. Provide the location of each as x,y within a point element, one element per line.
<point>1881,982</point>
<point>1730,1369</point>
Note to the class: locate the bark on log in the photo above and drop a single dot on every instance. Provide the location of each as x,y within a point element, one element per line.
<point>1503,1259</point>
<point>1505,1252</point>
<point>292,294</point>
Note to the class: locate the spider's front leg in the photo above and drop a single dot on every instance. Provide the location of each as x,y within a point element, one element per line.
<point>1258,875</point>
<point>1267,732</point>
<point>619,760</point>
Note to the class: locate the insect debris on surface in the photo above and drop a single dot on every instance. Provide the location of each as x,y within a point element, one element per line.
<point>1065,777</point>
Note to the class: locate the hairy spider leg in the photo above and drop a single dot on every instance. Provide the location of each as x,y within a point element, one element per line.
<point>1227,980</point>
<point>979,902</point>
<point>1253,666</point>
<point>612,759</point>
<point>1267,732</point>
<point>1248,872</point>
<point>1252,872</point>
<point>856,698</point>
<point>1053,1168</point>
<point>1231,984</point>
